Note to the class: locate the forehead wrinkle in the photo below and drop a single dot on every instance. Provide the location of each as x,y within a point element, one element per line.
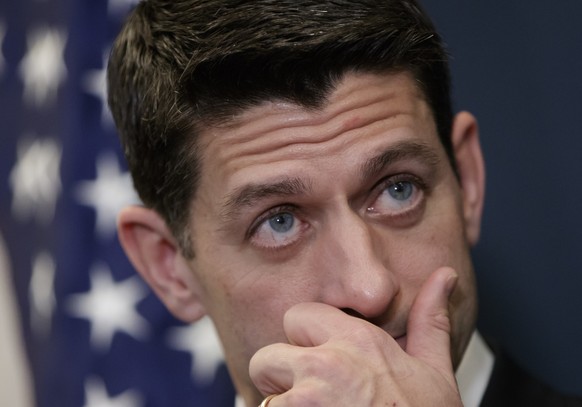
<point>319,130</point>
<point>273,116</point>
<point>250,194</point>
<point>398,152</point>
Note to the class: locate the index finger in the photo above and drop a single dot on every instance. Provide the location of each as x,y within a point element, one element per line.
<point>313,324</point>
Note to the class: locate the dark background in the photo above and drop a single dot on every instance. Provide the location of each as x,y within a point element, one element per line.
<point>517,66</point>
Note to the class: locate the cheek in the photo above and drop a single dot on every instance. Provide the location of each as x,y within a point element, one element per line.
<point>433,250</point>
<point>441,242</point>
<point>247,313</point>
<point>413,255</point>
<point>246,302</point>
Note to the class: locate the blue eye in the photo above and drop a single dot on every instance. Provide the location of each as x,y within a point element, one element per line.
<point>278,230</point>
<point>282,222</point>
<point>397,196</point>
<point>401,191</point>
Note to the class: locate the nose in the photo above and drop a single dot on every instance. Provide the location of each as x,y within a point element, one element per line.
<point>354,264</point>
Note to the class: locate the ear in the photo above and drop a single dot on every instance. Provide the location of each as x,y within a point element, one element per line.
<point>471,169</point>
<point>155,254</point>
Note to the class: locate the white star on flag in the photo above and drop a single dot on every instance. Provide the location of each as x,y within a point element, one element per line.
<point>201,341</point>
<point>96,396</point>
<point>110,307</point>
<point>107,194</point>
<point>95,83</point>
<point>41,293</point>
<point>43,68</point>
<point>35,180</point>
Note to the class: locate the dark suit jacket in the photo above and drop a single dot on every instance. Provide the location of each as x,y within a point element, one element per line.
<point>511,386</point>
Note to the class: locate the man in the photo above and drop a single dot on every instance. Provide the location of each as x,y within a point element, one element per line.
<point>306,186</point>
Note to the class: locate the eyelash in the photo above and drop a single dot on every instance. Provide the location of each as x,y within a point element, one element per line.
<point>393,179</point>
<point>386,182</point>
<point>267,215</point>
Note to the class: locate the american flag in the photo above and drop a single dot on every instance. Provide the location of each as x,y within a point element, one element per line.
<point>94,334</point>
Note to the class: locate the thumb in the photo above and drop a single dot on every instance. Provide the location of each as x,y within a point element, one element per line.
<point>429,326</point>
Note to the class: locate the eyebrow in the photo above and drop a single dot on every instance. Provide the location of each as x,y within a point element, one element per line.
<point>401,151</point>
<point>251,194</point>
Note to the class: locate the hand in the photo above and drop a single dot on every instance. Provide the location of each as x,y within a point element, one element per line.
<point>334,359</point>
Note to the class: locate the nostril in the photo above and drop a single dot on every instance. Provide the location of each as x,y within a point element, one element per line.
<point>378,320</point>
<point>380,313</point>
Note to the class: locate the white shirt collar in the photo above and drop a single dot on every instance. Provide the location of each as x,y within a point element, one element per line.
<point>474,371</point>
<point>472,375</point>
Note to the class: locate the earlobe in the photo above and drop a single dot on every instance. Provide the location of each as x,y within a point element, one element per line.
<point>155,254</point>
<point>471,169</point>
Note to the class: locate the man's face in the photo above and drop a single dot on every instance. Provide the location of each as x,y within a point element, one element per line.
<point>353,205</point>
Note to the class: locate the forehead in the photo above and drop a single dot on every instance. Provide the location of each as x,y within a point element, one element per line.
<point>355,90</point>
<point>359,107</point>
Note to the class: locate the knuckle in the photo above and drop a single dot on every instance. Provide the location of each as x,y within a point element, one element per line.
<point>367,336</point>
<point>321,362</point>
<point>441,321</point>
